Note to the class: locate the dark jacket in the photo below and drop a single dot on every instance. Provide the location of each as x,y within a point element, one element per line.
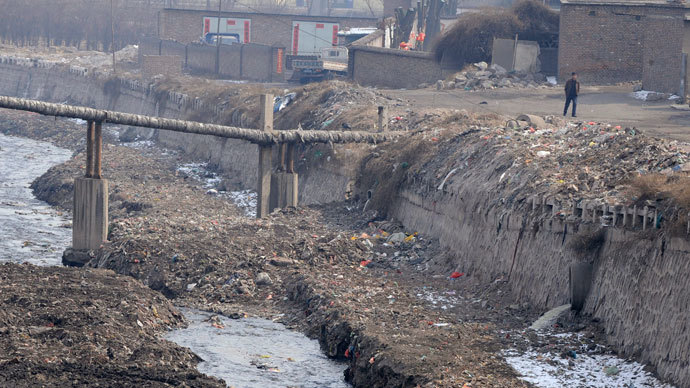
<point>572,88</point>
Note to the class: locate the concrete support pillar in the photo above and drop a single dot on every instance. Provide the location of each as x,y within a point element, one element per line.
<point>263,188</point>
<point>625,211</point>
<point>284,189</point>
<point>90,217</point>
<point>382,118</point>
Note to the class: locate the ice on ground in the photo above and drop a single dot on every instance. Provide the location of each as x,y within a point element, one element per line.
<point>78,121</point>
<point>550,370</point>
<point>641,94</point>
<point>243,199</point>
<point>444,301</point>
<point>140,144</point>
<point>200,172</point>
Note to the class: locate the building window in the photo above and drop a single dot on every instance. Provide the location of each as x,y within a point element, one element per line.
<point>592,13</point>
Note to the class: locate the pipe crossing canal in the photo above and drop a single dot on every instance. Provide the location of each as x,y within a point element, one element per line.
<point>246,353</point>
<point>276,188</point>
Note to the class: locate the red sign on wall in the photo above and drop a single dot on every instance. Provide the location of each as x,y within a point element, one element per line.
<point>246,31</point>
<point>207,26</point>
<point>335,35</point>
<point>295,39</point>
<point>231,22</point>
<point>319,25</point>
<point>279,61</point>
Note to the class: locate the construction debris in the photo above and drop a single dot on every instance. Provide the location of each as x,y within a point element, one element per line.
<point>482,76</point>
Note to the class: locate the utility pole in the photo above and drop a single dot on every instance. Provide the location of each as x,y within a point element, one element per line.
<point>112,33</point>
<point>220,4</point>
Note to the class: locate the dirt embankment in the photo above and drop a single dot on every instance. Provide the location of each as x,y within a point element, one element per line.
<point>88,327</point>
<point>363,296</point>
<point>334,274</point>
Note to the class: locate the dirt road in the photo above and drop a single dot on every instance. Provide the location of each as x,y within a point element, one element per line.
<point>613,104</point>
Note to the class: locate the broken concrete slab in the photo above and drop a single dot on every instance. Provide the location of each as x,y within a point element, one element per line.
<point>550,317</point>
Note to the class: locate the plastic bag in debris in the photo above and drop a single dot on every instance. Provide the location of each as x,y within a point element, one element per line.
<point>279,103</point>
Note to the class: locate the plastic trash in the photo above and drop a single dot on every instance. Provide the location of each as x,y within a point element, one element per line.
<point>611,370</point>
<point>456,275</point>
<point>279,103</point>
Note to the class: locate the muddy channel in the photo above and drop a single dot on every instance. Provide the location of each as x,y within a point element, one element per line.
<point>250,352</point>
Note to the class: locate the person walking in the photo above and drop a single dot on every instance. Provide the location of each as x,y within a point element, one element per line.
<point>572,89</point>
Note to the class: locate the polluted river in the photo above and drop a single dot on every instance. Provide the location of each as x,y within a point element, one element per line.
<point>248,352</point>
<point>257,352</point>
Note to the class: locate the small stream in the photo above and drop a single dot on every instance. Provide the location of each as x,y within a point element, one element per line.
<point>30,230</point>
<point>257,353</point>
<point>245,353</point>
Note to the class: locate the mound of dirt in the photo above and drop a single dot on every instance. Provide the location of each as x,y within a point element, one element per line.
<point>471,38</point>
<point>88,327</point>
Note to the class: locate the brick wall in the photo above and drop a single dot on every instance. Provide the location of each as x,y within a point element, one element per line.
<point>149,46</point>
<point>252,61</point>
<point>256,62</point>
<point>605,43</point>
<point>161,64</point>
<point>173,48</point>
<point>231,61</point>
<point>186,26</point>
<point>201,59</point>
<point>662,54</point>
<point>393,68</point>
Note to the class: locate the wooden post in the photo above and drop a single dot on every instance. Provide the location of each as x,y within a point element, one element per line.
<point>98,148</point>
<point>291,158</point>
<point>90,139</point>
<point>383,122</point>
<point>265,161</point>
<point>283,151</point>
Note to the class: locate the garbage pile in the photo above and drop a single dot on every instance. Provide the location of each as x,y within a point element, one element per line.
<point>557,159</point>
<point>68,327</point>
<point>482,76</point>
<point>70,56</point>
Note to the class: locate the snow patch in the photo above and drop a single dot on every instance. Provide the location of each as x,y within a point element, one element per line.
<point>243,199</point>
<point>641,94</point>
<point>549,370</point>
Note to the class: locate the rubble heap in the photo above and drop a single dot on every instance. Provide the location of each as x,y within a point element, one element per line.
<point>552,158</point>
<point>482,76</point>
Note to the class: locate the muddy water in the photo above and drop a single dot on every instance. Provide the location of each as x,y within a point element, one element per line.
<point>257,353</point>
<point>30,230</point>
<point>246,353</point>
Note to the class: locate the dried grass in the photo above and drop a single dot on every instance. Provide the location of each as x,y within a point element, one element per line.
<point>471,38</point>
<point>385,174</point>
<point>660,187</point>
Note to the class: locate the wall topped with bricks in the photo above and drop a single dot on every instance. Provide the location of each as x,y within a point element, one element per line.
<point>393,68</point>
<point>610,43</point>
<point>168,65</point>
<point>186,26</point>
<point>255,62</point>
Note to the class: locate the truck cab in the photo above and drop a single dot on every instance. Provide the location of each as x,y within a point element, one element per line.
<point>211,38</point>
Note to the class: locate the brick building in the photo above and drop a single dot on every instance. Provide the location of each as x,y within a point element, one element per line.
<point>607,41</point>
<point>186,26</point>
